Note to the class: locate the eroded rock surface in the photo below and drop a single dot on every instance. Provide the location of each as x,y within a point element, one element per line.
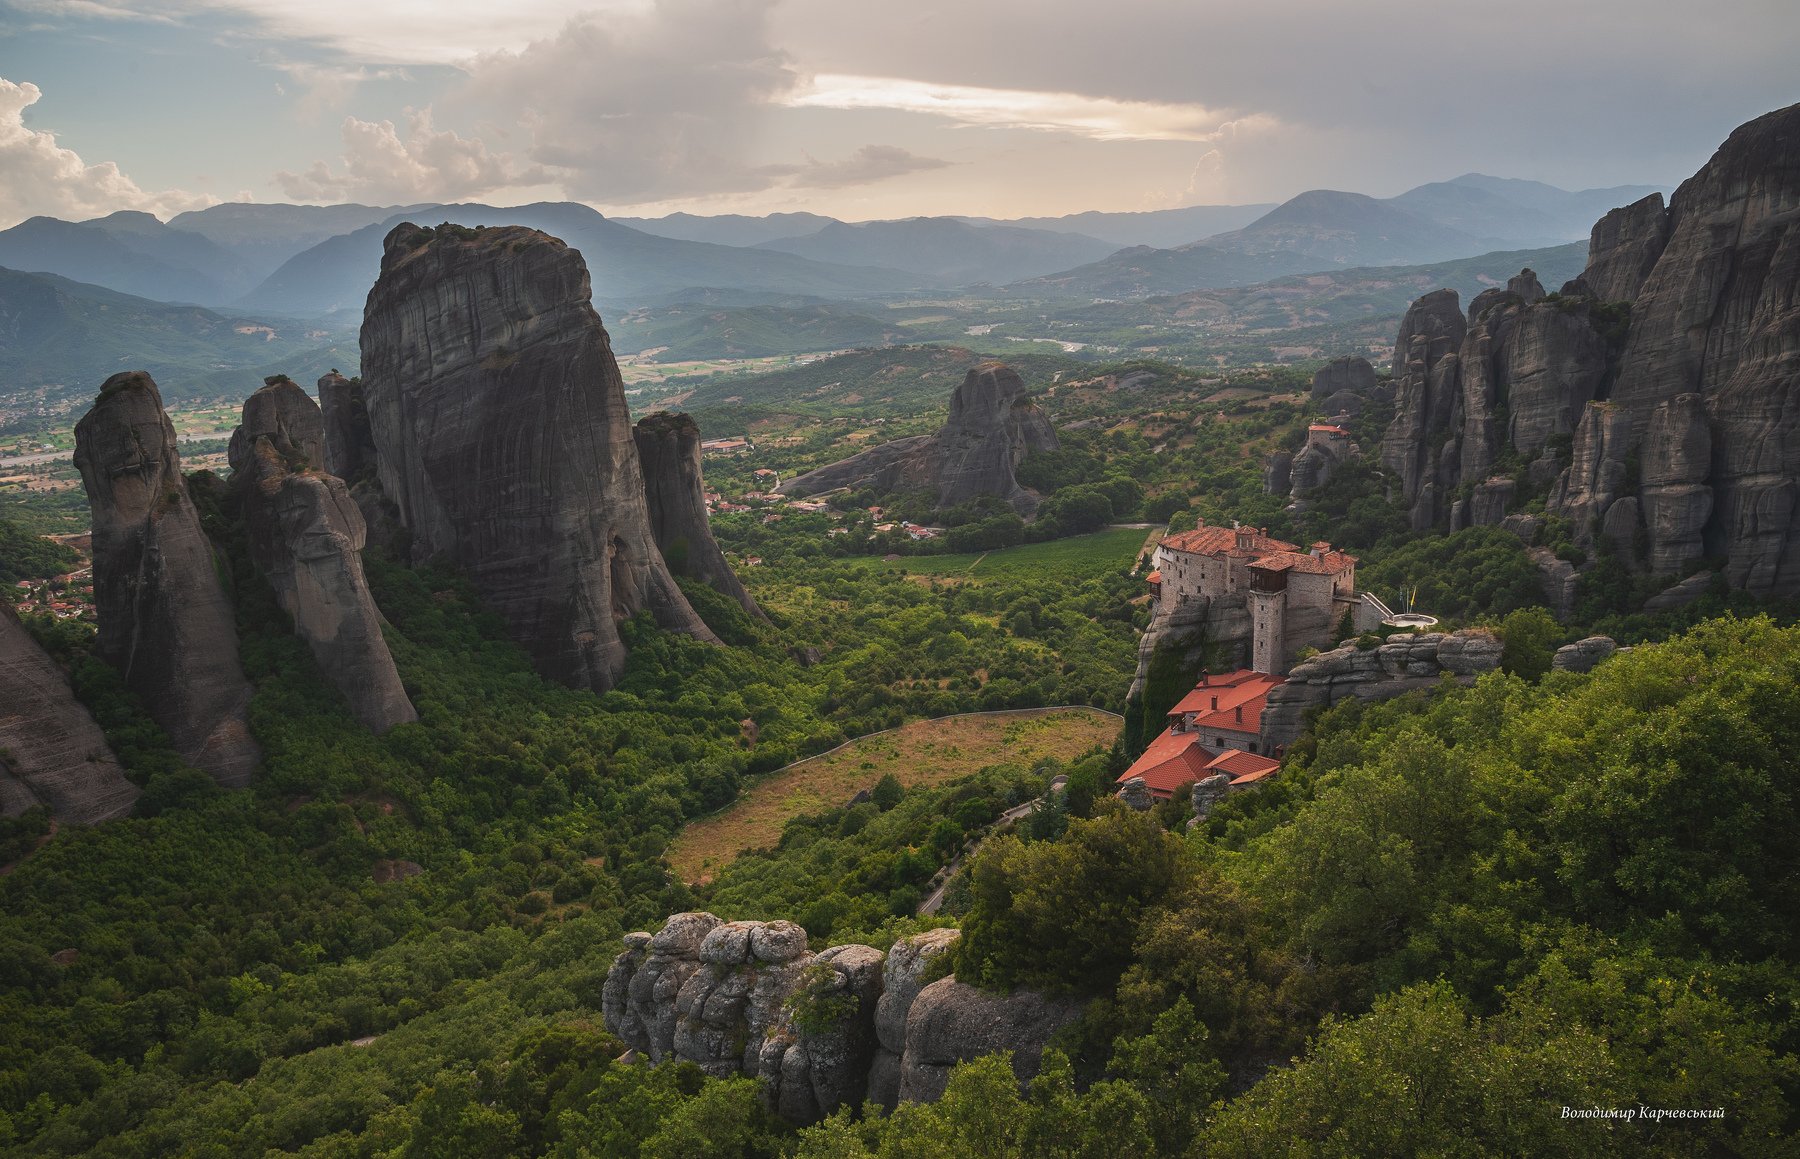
<point>951,1023</point>
<point>165,622</point>
<point>51,751</point>
<point>306,536</point>
<point>902,978</point>
<point>675,493</point>
<point>993,425</point>
<point>1404,663</point>
<point>821,1030</point>
<point>502,437</point>
<point>1624,248</point>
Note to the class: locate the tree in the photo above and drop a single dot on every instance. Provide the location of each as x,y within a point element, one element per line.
<point>1530,636</point>
<point>887,792</point>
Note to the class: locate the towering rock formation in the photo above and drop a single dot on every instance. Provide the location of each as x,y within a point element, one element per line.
<point>1685,425</point>
<point>501,434</point>
<point>165,622</point>
<point>1522,369</point>
<point>306,536</point>
<point>993,425</point>
<point>668,446</point>
<point>1624,247</point>
<point>51,751</point>
<point>1719,316</point>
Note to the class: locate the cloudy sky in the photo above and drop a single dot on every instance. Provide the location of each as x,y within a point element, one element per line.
<point>861,108</point>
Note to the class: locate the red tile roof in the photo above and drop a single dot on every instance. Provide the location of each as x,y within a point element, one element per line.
<point>1331,563</point>
<point>1236,763</point>
<point>1215,701</point>
<point>1154,577</point>
<point>1223,541</point>
<point>1250,778</point>
<point>1328,428</point>
<point>1172,760</point>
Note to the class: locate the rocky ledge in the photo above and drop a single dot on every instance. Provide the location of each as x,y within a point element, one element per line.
<point>1401,664</point>
<point>822,1030</point>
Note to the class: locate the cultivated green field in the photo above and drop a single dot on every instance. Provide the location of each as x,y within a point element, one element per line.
<point>1080,555</point>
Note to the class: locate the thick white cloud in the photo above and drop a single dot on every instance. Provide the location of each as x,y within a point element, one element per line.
<point>1101,118</point>
<point>428,165</point>
<point>38,176</point>
<point>668,99</point>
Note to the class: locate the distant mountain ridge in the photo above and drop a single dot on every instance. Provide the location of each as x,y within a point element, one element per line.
<point>58,338</point>
<point>1325,229</point>
<point>946,250</point>
<point>627,266</point>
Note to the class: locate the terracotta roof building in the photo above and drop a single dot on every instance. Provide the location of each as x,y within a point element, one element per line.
<point>1216,728</point>
<point>1296,598</point>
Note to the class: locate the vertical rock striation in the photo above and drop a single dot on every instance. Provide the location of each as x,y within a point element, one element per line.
<point>668,447</point>
<point>502,436</point>
<point>349,444</point>
<point>1624,248</point>
<point>165,622</point>
<point>306,535</point>
<point>993,425</point>
<point>51,751</point>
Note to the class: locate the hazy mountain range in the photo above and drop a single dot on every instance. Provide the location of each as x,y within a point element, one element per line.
<point>318,260</point>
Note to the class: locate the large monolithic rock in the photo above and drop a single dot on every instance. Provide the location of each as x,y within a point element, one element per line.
<point>306,536</point>
<point>819,1031</point>
<point>993,425</point>
<point>51,751</point>
<point>669,448</point>
<point>1352,373</point>
<point>502,436</point>
<point>165,622</point>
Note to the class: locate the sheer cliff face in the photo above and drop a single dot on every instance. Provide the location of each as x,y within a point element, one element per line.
<point>307,535</point>
<point>501,434</point>
<point>993,425</point>
<point>1719,316</point>
<point>349,446</point>
<point>669,451</point>
<point>1518,370</point>
<point>1624,247</point>
<point>164,620</point>
<point>1686,439</point>
<point>51,751</point>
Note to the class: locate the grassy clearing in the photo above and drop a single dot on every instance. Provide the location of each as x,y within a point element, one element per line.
<point>1080,556</point>
<point>925,752</point>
